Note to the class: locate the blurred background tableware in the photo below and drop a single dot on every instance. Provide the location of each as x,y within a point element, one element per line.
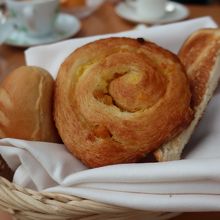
<point>6,27</point>
<point>81,8</point>
<point>65,26</point>
<point>169,11</point>
<point>148,9</point>
<point>197,1</point>
<point>27,23</point>
<point>35,17</point>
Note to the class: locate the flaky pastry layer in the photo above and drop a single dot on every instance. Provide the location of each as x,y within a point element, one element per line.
<point>118,99</point>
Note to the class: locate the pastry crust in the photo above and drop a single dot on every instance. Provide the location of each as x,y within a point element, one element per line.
<point>200,55</point>
<point>26,102</point>
<point>117,99</point>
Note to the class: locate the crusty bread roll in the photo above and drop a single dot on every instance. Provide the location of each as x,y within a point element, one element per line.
<point>201,56</point>
<point>117,99</point>
<point>26,101</point>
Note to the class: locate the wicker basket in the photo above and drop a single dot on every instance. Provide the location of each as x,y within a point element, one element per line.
<point>26,204</point>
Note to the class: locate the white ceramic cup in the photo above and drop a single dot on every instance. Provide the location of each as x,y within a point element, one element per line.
<point>148,9</point>
<point>35,17</point>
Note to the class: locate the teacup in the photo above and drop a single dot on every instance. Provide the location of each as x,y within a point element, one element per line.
<point>35,17</point>
<point>148,9</point>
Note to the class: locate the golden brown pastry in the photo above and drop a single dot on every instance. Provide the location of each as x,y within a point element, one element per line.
<point>201,56</point>
<point>26,101</point>
<point>117,99</point>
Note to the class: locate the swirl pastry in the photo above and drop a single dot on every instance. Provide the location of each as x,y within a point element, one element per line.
<point>118,99</point>
<point>200,55</point>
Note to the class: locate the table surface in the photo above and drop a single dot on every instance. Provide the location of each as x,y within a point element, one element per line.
<point>104,20</point>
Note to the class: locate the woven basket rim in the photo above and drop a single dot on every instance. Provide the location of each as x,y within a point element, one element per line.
<point>24,203</point>
<point>59,197</point>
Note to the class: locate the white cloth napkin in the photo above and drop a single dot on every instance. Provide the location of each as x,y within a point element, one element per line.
<point>191,184</point>
<point>169,36</point>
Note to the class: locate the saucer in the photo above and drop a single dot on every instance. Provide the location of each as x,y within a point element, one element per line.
<point>174,12</point>
<point>65,26</point>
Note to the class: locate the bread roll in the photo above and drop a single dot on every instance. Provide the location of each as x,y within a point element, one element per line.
<point>26,101</point>
<point>118,99</point>
<point>201,56</point>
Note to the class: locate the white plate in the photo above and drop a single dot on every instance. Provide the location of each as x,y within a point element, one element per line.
<point>174,12</point>
<point>66,26</point>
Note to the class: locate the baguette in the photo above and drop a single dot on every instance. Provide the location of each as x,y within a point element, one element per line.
<point>200,55</point>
